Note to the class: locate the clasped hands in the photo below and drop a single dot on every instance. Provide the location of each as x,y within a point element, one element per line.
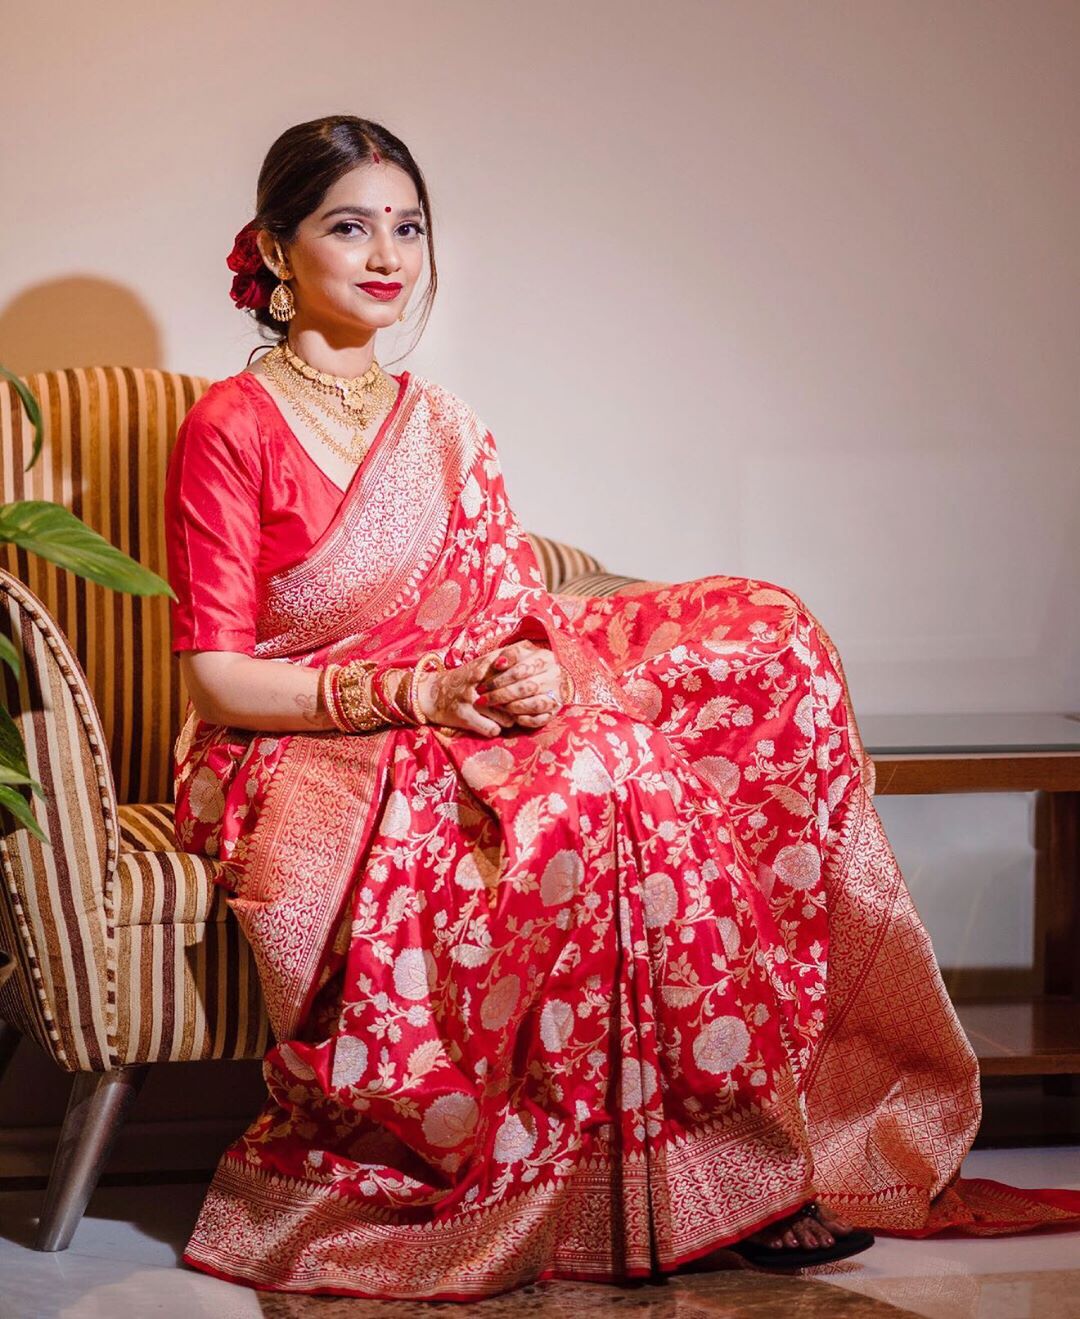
<point>508,686</point>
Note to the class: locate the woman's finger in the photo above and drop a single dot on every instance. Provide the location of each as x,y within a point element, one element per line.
<point>532,686</point>
<point>501,696</point>
<point>504,718</point>
<point>472,719</point>
<point>501,678</point>
<point>539,704</point>
<point>544,676</point>
<point>470,701</point>
<point>534,720</point>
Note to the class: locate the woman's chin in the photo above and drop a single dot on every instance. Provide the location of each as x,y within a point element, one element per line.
<point>350,322</point>
<point>376,312</point>
<point>377,318</point>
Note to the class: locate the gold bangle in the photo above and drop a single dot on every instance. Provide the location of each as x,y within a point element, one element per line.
<point>433,660</point>
<point>363,695</point>
<point>321,701</point>
<point>354,686</point>
<point>329,695</point>
<point>413,697</point>
<point>343,685</point>
<point>333,704</point>
<point>567,687</point>
<point>372,715</point>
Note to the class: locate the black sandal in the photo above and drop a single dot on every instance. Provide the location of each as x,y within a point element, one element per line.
<point>801,1257</point>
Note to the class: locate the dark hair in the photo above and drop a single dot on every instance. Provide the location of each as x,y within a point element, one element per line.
<point>303,165</point>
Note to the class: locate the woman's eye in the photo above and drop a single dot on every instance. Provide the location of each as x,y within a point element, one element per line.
<point>349,225</point>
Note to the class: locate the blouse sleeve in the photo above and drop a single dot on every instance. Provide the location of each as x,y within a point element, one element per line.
<point>212,527</point>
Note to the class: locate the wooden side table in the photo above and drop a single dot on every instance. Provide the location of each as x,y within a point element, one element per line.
<point>1036,1032</point>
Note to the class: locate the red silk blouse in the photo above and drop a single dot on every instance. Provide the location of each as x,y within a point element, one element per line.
<point>243,500</point>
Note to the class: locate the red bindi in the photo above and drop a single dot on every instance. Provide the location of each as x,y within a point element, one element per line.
<point>386,208</point>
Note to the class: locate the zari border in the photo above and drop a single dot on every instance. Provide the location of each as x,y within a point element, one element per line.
<point>312,831</point>
<point>371,472</point>
<point>839,874</point>
<point>892,1093</point>
<point>603,1222</point>
<point>385,537</point>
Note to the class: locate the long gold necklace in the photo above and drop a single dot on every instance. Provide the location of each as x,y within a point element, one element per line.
<point>354,401</point>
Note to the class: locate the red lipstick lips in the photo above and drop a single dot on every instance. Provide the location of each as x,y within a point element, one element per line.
<point>383,292</point>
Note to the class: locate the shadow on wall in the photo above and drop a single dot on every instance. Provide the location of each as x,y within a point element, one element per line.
<point>83,321</point>
<point>77,321</point>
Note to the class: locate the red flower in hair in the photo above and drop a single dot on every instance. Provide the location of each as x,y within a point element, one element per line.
<point>245,257</point>
<point>246,260</point>
<point>247,291</point>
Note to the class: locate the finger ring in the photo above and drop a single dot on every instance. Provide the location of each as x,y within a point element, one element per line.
<point>553,695</point>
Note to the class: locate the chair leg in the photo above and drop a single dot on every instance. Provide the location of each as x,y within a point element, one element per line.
<point>9,1042</point>
<point>96,1110</point>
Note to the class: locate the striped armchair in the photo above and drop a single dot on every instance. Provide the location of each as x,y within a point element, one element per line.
<point>124,952</point>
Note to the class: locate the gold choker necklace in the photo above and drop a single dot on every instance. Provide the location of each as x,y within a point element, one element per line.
<point>350,400</point>
<point>356,394</point>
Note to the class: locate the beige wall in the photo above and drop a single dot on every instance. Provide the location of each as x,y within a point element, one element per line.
<point>781,290</point>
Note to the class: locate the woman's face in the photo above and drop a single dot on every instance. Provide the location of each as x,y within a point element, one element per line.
<point>368,229</point>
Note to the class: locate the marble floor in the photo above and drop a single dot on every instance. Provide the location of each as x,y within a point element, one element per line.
<point>123,1263</point>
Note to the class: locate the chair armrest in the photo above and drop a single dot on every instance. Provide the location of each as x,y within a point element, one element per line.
<point>56,897</point>
<point>602,583</point>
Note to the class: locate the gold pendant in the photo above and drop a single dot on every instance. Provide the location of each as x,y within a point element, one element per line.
<point>353,400</point>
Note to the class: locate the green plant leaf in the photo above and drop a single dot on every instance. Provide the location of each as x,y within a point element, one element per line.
<point>8,775</point>
<point>12,750</point>
<point>16,804</point>
<point>33,412</point>
<point>13,764</point>
<point>58,535</point>
<point>9,654</point>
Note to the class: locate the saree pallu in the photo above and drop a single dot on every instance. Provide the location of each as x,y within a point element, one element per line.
<point>587,1001</point>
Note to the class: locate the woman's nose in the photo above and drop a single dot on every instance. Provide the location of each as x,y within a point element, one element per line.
<point>385,254</point>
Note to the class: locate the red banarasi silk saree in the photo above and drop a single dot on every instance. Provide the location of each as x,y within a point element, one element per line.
<point>587,1001</point>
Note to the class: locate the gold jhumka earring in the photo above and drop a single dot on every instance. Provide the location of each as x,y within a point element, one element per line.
<point>282,302</point>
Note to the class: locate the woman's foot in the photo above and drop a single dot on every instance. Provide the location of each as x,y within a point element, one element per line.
<point>809,1228</point>
<point>810,1236</point>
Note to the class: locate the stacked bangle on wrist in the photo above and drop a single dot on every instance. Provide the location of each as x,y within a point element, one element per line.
<point>362,695</point>
<point>386,690</point>
<point>351,686</point>
<point>328,694</point>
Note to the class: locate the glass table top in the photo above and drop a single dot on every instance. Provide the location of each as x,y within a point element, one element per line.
<point>940,734</point>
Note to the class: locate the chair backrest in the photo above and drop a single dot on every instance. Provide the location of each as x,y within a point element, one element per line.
<point>108,435</point>
<point>57,899</point>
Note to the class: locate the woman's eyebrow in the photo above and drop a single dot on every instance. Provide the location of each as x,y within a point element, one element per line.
<point>368,213</point>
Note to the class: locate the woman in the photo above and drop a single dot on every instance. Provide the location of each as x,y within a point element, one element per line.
<point>583,947</point>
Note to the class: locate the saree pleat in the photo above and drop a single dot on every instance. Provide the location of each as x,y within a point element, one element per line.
<point>588,1001</point>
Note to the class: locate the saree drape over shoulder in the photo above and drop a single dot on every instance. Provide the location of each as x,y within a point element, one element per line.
<point>582,1002</point>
